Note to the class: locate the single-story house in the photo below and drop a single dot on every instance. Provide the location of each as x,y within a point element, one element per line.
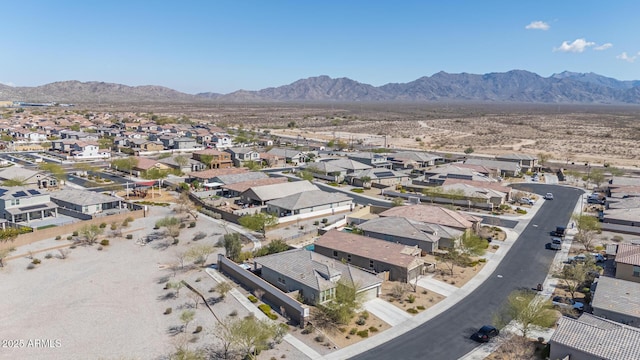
<point>315,277</point>
<point>372,159</point>
<point>617,300</point>
<point>501,168</point>
<point>22,204</point>
<point>403,263</point>
<point>592,338</point>
<point>377,177</point>
<point>308,202</point>
<point>527,162</point>
<point>86,202</point>
<point>261,194</point>
<point>290,156</point>
<point>430,214</point>
<point>235,189</point>
<point>628,262</point>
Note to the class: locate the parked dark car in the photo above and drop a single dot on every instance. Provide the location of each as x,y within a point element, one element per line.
<point>485,333</point>
<point>559,231</point>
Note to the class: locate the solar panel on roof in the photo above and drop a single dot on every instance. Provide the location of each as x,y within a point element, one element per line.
<point>385,174</point>
<point>2,191</point>
<point>33,192</point>
<point>19,194</point>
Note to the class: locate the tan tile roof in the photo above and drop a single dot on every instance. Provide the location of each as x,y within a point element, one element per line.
<point>433,215</point>
<point>628,254</point>
<point>209,152</point>
<point>370,248</point>
<point>480,184</point>
<point>598,337</point>
<point>211,173</point>
<point>246,185</point>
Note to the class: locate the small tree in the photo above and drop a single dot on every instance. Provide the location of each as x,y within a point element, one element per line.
<point>526,310</point>
<point>186,317</point>
<point>306,175</point>
<point>172,226</point>
<point>200,253</point>
<point>472,244</point>
<point>9,234</point>
<point>343,306</point>
<point>451,258</point>
<point>258,222</point>
<point>223,288</point>
<point>366,182</point>
<point>91,233</point>
<point>588,226</point>
<point>398,291</point>
<point>185,205</point>
<point>252,335</point>
<point>397,201</point>
<point>232,246</point>
<point>596,176</point>
<point>573,276</point>
<point>175,285</point>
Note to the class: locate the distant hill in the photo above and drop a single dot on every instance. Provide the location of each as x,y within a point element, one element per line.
<point>512,86</point>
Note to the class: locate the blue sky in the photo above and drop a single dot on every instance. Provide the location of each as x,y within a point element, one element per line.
<point>224,46</point>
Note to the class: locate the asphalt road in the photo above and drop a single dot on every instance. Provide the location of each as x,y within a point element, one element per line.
<point>527,263</point>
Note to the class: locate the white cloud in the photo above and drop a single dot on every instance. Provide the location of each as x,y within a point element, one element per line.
<point>624,56</point>
<point>577,46</point>
<point>537,25</point>
<point>603,47</point>
<point>8,83</point>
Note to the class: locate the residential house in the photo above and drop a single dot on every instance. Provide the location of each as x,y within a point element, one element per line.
<point>221,141</point>
<point>617,300</point>
<point>501,168</point>
<point>22,204</point>
<point>88,150</point>
<point>145,164</point>
<point>227,179</point>
<point>428,237</point>
<point>79,135</point>
<point>476,194</point>
<point>592,338</point>
<point>235,189</point>
<point>271,160</point>
<point>185,143</point>
<point>312,202</point>
<point>85,202</point>
<point>215,159</point>
<point>377,177</point>
<point>315,277</point>
<point>372,159</point>
<point>413,159</point>
<point>183,163</point>
<point>628,262</point>
<point>438,175</point>
<point>292,157</point>
<point>625,216</point>
<point>30,178</point>
<point>525,161</point>
<point>401,262</point>
<point>241,155</point>
<point>430,214</point>
<point>209,176</point>
<point>259,195</point>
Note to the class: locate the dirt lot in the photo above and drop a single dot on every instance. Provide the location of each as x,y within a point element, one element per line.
<point>422,298</point>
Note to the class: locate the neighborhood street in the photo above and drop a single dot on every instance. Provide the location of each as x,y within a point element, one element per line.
<point>446,336</point>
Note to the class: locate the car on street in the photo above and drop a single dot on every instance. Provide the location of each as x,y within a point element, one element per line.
<point>560,231</point>
<point>555,244</point>
<point>567,303</point>
<point>548,196</point>
<point>485,333</point>
<point>583,257</point>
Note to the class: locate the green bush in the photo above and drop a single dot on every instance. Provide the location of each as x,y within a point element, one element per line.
<point>319,338</point>
<point>361,321</point>
<point>353,331</point>
<point>48,256</point>
<point>192,224</point>
<point>373,329</point>
<point>75,233</point>
<point>168,311</point>
<point>104,242</point>
<point>325,220</point>
<point>412,311</point>
<point>198,329</point>
<point>252,298</point>
<point>420,307</point>
<point>182,226</point>
<point>364,315</point>
<point>363,333</point>
<point>129,236</point>
<point>36,261</point>
<point>356,190</point>
<point>316,222</point>
<point>103,225</point>
<point>482,260</point>
<point>58,237</point>
<point>411,298</point>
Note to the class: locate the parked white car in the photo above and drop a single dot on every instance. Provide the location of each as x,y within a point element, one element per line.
<point>526,201</point>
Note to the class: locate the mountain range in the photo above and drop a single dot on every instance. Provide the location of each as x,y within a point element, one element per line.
<point>517,86</point>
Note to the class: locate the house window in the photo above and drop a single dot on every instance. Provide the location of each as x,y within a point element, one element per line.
<point>281,280</point>
<point>335,253</point>
<point>371,264</point>
<point>636,271</point>
<point>349,258</point>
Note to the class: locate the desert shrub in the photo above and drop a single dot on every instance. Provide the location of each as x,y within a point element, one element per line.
<point>75,233</point>
<point>155,227</point>
<point>58,237</point>
<point>192,224</point>
<point>617,238</point>
<point>495,247</point>
<point>198,329</point>
<point>233,313</point>
<point>420,307</point>
<point>129,219</point>
<point>482,260</point>
<point>36,261</point>
<point>252,298</point>
<point>412,311</point>
<point>411,298</point>
<point>356,190</point>
<point>72,246</point>
<point>363,333</point>
<point>325,220</point>
<point>103,225</point>
<point>31,266</point>
<point>424,292</point>
<point>361,321</point>
<point>521,211</point>
<point>129,236</point>
<point>342,329</point>
<point>48,256</point>
<point>353,331</point>
<point>104,242</point>
<point>168,311</point>
<point>373,329</point>
<point>307,329</point>
<point>319,338</point>
<point>266,309</point>
<point>316,222</point>
<point>99,248</point>
<point>199,236</point>
<point>364,315</point>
